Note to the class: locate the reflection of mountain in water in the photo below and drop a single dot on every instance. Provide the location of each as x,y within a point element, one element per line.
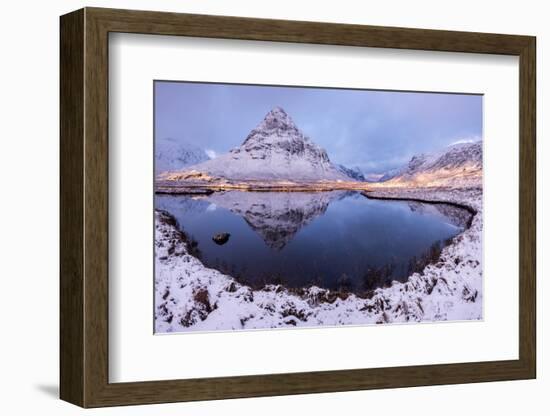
<point>457,216</point>
<point>177,206</point>
<point>276,216</point>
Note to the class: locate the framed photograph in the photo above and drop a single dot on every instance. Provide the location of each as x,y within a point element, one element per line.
<point>256,207</point>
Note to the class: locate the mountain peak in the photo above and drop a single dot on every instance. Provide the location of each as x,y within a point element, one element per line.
<point>276,129</point>
<point>276,149</point>
<point>278,110</point>
<point>277,118</point>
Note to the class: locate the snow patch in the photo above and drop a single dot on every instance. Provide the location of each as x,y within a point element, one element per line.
<point>192,297</point>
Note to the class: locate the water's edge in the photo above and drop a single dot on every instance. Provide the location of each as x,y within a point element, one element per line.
<point>471,210</point>
<point>369,195</point>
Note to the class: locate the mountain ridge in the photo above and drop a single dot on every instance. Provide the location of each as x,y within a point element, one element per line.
<point>456,164</point>
<point>274,150</point>
<point>172,154</point>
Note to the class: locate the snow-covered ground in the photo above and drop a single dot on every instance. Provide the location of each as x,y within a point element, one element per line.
<point>192,297</point>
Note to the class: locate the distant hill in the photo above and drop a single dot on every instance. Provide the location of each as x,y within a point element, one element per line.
<point>459,164</point>
<point>353,173</point>
<point>172,154</point>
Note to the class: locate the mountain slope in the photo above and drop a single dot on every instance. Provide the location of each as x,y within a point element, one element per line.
<point>353,173</point>
<point>460,164</point>
<point>172,154</point>
<point>275,150</point>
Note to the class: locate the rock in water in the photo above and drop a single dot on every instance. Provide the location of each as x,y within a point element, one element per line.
<point>221,238</point>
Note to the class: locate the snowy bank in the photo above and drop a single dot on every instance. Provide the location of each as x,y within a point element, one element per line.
<point>192,297</point>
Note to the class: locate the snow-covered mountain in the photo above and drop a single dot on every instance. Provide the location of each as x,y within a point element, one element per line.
<point>172,154</point>
<point>390,174</point>
<point>458,164</point>
<point>353,173</point>
<point>275,150</point>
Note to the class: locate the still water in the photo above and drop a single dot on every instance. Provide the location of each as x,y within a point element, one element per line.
<point>334,239</point>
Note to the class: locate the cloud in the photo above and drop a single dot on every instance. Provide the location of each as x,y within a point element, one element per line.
<point>472,139</point>
<point>212,154</point>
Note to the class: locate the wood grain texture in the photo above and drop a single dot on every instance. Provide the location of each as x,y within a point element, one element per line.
<point>84,207</point>
<point>96,208</point>
<point>71,208</point>
<point>162,23</point>
<point>527,208</point>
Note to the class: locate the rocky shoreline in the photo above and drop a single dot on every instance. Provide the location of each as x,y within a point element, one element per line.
<point>192,297</point>
<point>194,187</point>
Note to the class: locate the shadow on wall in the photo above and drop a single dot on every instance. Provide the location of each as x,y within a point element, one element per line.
<point>49,390</point>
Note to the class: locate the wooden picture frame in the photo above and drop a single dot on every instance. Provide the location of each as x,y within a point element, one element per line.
<point>84,207</point>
